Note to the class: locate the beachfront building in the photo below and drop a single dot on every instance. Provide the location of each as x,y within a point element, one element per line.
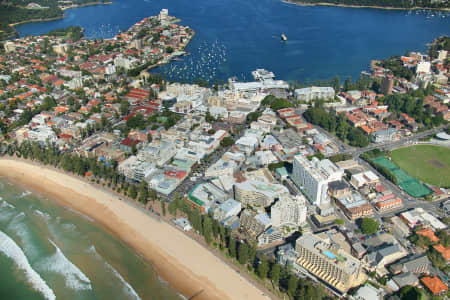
<point>329,262</point>
<point>313,177</point>
<point>227,209</point>
<point>205,196</point>
<point>158,152</point>
<point>314,93</point>
<point>289,211</point>
<point>136,170</point>
<point>258,193</point>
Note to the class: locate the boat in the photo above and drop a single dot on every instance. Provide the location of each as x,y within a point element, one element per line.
<point>283,37</point>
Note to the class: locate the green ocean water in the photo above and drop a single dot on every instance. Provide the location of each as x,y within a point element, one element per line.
<point>50,252</point>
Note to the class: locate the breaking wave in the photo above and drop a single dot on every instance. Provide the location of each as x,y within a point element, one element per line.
<point>127,287</point>
<point>13,251</point>
<point>75,278</point>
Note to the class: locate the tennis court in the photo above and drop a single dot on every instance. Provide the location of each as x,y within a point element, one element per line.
<point>409,184</point>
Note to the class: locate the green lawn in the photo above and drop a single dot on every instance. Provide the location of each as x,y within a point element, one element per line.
<point>428,163</point>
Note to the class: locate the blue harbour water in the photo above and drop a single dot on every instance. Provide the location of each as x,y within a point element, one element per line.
<point>47,251</point>
<point>50,252</point>
<point>234,37</point>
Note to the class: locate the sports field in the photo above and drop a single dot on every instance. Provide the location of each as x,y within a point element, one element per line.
<point>428,163</point>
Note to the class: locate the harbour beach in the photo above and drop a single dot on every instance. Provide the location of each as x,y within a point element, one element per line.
<point>186,265</point>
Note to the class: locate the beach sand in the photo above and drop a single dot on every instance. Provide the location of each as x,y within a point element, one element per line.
<point>186,265</point>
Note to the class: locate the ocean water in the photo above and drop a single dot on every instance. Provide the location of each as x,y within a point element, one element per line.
<point>51,252</point>
<point>234,37</point>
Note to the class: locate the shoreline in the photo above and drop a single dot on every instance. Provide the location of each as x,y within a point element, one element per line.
<point>38,20</point>
<point>62,16</point>
<point>299,3</point>
<point>189,268</point>
<point>86,4</point>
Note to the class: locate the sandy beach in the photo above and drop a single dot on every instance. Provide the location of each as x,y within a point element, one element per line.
<point>187,266</point>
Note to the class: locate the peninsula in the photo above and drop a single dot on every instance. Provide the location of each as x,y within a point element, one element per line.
<point>15,12</point>
<point>380,4</point>
<point>239,190</point>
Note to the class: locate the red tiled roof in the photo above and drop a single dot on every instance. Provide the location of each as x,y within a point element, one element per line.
<point>434,284</point>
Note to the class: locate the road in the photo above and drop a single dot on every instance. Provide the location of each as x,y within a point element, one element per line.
<point>355,152</point>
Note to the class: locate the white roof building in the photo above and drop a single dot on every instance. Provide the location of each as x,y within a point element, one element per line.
<point>418,216</point>
<point>221,168</point>
<point>227,209</point>
<point>290,211</point>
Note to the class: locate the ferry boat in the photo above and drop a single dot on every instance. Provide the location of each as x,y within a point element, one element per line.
<point>283,37</point>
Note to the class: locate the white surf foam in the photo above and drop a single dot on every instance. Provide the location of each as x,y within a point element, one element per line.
<point>20,229</point>
<point>80,214</point>
<point>57,262</point>
<point>42,214</point>
<point>127,287</point>
<point>13,251</point>
<point>26,193</point>
<point>6,204</point>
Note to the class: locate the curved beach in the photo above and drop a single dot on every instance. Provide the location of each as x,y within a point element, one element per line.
<point>186,265</point>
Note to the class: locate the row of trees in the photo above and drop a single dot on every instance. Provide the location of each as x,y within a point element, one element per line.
<point>218,236</point>
<point>215,234</point>
<point>336,125</point>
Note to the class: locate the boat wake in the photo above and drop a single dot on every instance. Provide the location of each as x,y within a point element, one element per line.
<point>9,248</point>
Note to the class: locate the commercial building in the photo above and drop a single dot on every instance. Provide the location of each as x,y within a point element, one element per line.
<point>257,193</point>
<point>388,204</point>
<point>227,209</point>
<point>314,93</point>
<point>221,168</point>
<point>354,206</point>
<point>205,195</point>
<point>289,211</point>
<point>365,178</point>
<point>158,152</point>
<point>313,177</point>
<point>135,169</point>
<point>419,216</point>
<point>328,262</point>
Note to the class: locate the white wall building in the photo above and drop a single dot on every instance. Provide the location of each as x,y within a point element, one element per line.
<point>423,67</point>
<point>158,152</point>
<point>290,211</point>
<point>258,193</point>
<point>313,177</point>
<point>314,92</point>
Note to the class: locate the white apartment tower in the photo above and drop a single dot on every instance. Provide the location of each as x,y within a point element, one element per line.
<point>313,176</point>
